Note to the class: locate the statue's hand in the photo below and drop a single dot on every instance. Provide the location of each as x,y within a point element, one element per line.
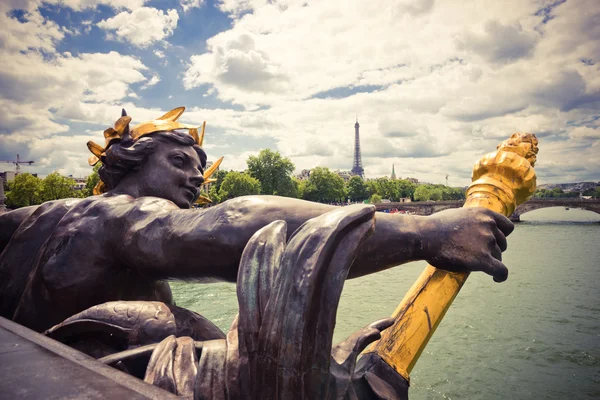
<point>467,239</point>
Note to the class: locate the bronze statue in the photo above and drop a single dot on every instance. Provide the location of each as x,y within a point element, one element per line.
<point>63,257</point>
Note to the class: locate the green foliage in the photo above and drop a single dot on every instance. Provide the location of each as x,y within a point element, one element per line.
<point>554,193</point>
<point>437,193</point>
<point>220,176</point>
<point>595,193</point>
<point>273,172</point>
<point>56,186</point>
<point>375,199</point>
<point>300,187</point>
<point>238,184</point>
<point>421,193</point>
<point>325,186</point>
<point>213,192</point>
<point>91,181</point>
<point>357,189</point>
<point>406,188</point>
<point>25,190</point>
<point>390,189</point>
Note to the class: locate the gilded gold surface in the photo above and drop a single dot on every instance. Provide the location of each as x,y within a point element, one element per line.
<point>501,181</point>
<point>201,138</point>
<point>211,170</point>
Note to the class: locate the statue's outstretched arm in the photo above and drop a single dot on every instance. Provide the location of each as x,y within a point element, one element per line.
<point>208,244</point>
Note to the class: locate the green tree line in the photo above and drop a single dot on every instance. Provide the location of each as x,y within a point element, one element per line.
<point>271,174</point>
<point>267,173</point>
<point>559,193</point>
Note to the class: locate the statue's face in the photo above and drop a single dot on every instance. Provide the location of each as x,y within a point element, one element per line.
<point>173,172</point>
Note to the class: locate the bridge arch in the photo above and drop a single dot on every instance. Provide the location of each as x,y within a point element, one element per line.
<point>536,204</point>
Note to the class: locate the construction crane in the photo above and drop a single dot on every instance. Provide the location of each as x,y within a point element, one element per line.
<point>18,163</point>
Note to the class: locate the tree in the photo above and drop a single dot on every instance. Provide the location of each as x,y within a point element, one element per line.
<point>435,194</point>
<point>357,189</point>
<point>24,190</point>
<point>373,186</point>
<point>405,188</point>
<point>238,184</point>
<point>273,172</point>
<point>213,192</point>
<point>421,193</point>
<point>300,187</point>
<point>325,186</point>
<point>375,199</point>
<point>595,193</point>
<point>91,181</point>
<point>220,176</point>
<point>388,189</point>
<point>55,186</point>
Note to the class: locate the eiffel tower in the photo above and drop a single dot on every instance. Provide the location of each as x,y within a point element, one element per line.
<point>357,168</point>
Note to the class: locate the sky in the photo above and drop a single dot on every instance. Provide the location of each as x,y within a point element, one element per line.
<point>435,84</point>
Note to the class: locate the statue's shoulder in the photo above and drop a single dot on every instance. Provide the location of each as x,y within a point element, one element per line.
<point>122,207</point>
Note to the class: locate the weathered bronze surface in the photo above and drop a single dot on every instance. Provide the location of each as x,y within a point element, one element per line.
<point>64,257</point>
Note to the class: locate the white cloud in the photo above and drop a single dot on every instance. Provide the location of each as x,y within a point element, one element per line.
<point>36,33</point>
<point>500,43</point>
<point>584,132</point>
<point>451,81</point>
<point>80,5</point>
<point>237,64</point>
<point>440,83</point>
<point>187,5</point>
<point>153,81</point>
<point>143,26</point>
<point>39,90</point>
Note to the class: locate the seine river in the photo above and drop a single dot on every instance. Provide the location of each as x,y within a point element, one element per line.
<point>537,335</point>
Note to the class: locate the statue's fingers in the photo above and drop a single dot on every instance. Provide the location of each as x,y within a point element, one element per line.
<point>496,252</point>
<point>500,239</point>
<point>497,270</point>
<point>382,324</point>
<point>504,224</point>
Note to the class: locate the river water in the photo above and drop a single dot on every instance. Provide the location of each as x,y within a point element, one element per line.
<point>537,335</point>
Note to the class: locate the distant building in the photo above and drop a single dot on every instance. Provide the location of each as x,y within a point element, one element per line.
<point>79,182</point>
<point>393,176</point>
<point>345,175</point>
<point>303,175</point>
<point>413,180</point>
<point>7,175</point>
<point>570,187</point>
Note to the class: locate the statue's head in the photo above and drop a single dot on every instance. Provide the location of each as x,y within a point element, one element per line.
<point>523,144</point>
<point>155,158</point>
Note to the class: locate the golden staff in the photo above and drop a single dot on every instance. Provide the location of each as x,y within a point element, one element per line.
<point>501,181</point>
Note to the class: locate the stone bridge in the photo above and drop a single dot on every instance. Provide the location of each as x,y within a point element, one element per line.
<point>421,207</point>
<point>430,207</point>
<point>534,204</point>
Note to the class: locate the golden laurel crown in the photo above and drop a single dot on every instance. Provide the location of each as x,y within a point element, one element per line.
<point>167,122</point>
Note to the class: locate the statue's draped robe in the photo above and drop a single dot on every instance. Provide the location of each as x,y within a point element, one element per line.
<point>59,261</point>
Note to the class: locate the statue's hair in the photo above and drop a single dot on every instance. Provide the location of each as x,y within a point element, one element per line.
<point>129,155</point>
